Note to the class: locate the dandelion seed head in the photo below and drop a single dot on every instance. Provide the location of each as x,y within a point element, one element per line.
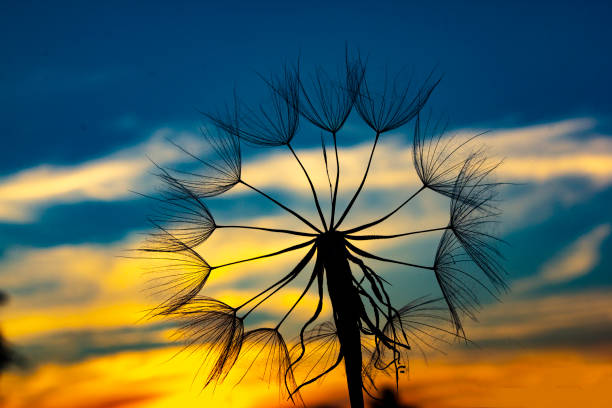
<point>368,335</point>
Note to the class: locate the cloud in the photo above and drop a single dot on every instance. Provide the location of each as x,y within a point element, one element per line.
<point>107,178</point>
<point>531,154</point>
<point>577,260</point>
<point>153,378</point>
<point>91,286</point>
<point>86,287</point>
<point>517,320</point>
<point>98,326</point>
<point>66,346</point>
<point>159,379</point>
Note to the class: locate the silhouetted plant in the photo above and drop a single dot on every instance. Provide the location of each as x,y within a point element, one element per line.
<point>8,356</point>
<point>368,333</point>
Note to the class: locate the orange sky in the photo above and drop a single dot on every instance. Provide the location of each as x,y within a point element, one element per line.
<point>461,379</point>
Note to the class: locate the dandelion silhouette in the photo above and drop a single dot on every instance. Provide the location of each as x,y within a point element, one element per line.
<point>368,334</point>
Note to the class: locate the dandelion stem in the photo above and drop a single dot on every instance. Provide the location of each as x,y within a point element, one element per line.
<point>282,251</point>
<point>314,193</point>
<point>370,237</point>
<point>283,282</point>
<point>331,223</point>
<point>318,270</point>
<point>284,207</point>
<point>331,193</point>
<point>347,307</point>
<point>378,258</point>
<point>312,278</point>
<point>310,381</point>
<point>365,175</point>
<point>282,231</point>
<point>381,219</point>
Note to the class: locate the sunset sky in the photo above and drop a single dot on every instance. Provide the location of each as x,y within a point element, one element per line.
<point>90,93</point>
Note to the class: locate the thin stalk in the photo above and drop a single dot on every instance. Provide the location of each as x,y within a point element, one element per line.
<point>314,193</point>
<point>331,223</point>
<point>405,234</point>
<point>289,277</point>
<point>365,176</point>
<point>381,219</point>
<point>329,370</point>
<point>331,188</point>
<point>284,207</point>
<point>379,258</point>
<point>282,251</point>
<point>318,270</point>
<point>283,282</point>
<point>283,231</point>
<point>312,278</point>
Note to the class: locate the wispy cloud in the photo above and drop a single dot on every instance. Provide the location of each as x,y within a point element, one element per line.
<point>553,321</point>
<point>531,154</point>
<point>107,178</point>
<point>90,276</point>
<point>91,286</point>
<point>577,260</point>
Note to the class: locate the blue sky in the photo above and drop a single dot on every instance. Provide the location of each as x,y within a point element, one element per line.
<point>88,91</point>
<point>80,81</point>
<point>77,76</point>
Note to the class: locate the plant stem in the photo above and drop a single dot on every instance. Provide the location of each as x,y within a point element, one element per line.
<point>379,258</point>
<point>404,234</point>
<point>281,283</point>
<point>282,251</point>
<point>283,231</point>
<point>314,193</point>
<point>345,300</point>
<point>381,219</point>
<point>365,176</point>
<point>333,204</point>
<point>284,207</point>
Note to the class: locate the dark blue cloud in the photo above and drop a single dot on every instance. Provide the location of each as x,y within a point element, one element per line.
<point>93,222</point>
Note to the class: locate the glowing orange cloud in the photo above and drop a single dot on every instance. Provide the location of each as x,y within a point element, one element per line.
<point>154,380</point>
